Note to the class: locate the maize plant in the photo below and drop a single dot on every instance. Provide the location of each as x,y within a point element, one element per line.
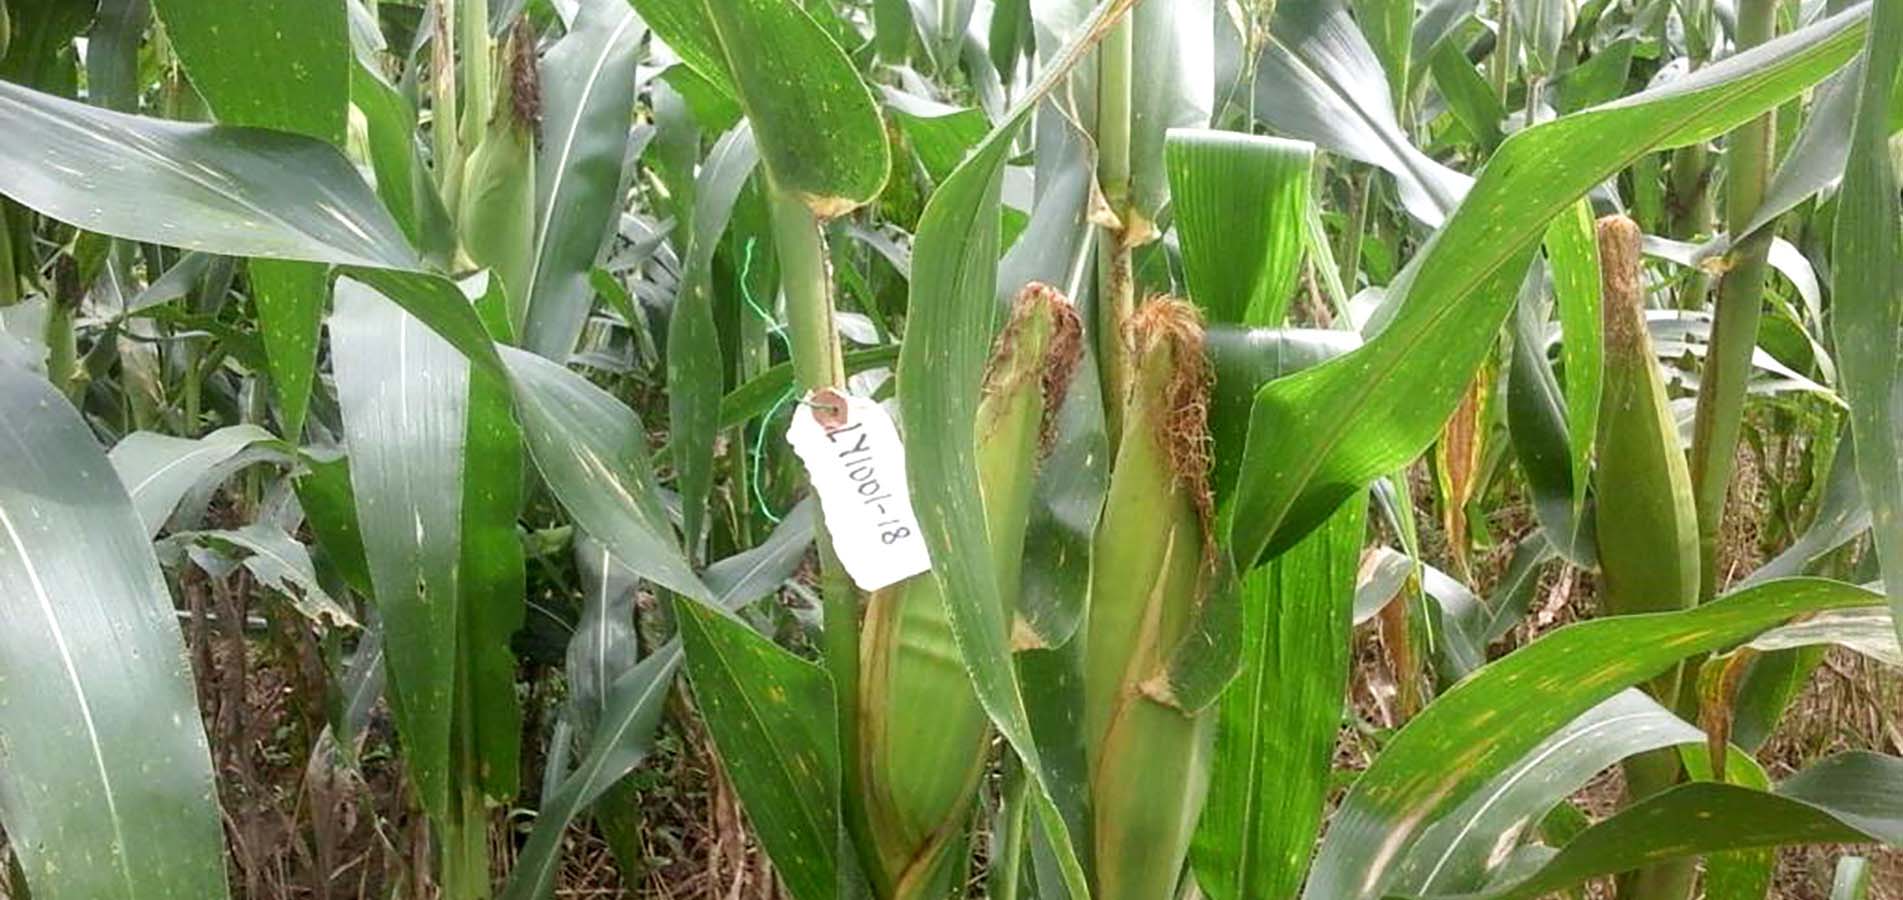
<point>906,449</point>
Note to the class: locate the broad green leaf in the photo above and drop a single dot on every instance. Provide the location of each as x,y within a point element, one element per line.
<point>941,366</point>
<point>283,65</point>
<point>1320,81</point>
<point>491,582</point>
<point>688,30</point>
<point>1358,425</point>
<point>605,645</point>
<point>1866,287</point>
<point>289,297</point>
<point>1172,85</point>
<point>323,490</point>
<point>587,105</point>
<point>696,370</point>
<point>108,791</point>
<point>440,305</point>
<point>631,715</point>
<point>1853,797</point>
<point>1462,850</point>
<point>1278,720</point>
<point>1480,726</point>
<point>282,564</point>
<point>1240,201</point>
<point>1469,97</point>
<point>1572,255</point>
<point>112,52</point>
<point>159,470</point>
<point>1868,631</point>
<point>405,398</point>
<point>1536,424</point>
<point>817,124</point>
<point>403,181</point>
<point>770,715</point>
<point>593,453</point>
<point>1245,359</point>
<point>219,188</point>
<point>632,706</point>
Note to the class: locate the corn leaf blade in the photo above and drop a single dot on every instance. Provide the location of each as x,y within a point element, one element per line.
<point>1462,739</point>
<point>219,188</point>
<point>1461,287</point>
<point>109,790</point>
<point>1867,297</point>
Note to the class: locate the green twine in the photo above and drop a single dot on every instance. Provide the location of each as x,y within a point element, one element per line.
<point>777,330</point>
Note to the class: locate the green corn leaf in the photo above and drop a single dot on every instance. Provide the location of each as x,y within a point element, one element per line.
<point>1320,81</point>
<point>405,396</point>
<point>282,564</point>
<point>592,452</point>
<point>587,105</point>
<point>1867,279</point>
<point>403,181</point>
<point>817,124</point>
<point>1536,414</point>
<point>941,368</point>
<point>218,188</point>
<point>159,470</point>
<point>1852,797</point>
<point>1478,728</point>
<point>109,790</point>
<point>283,65</point>
<point>695,367</point>
<point>1460,288</point>
<point>632,713</point>
<point>1240,203</point>
<point>1460,851</point>
<point>323,490</point>
<point>605,645</point>
<point>1258,827</point>
<point>770,714</point>
<point>632,705</point>
<point>492,579</point>
<point>1572,254</point>
<point>1868,631</point>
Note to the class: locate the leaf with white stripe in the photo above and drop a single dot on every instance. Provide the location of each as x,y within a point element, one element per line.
<point>587,107</point>
<point>159,470</point>
<point>223,189</point>
<point>405,398</point>
<point>106,788</point>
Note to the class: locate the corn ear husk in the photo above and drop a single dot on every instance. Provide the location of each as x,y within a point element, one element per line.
<point>495,211</point>
<point>923,735</point>
<point>1648,525</point>
<point>1151,568</point>
<point>1648,535</point>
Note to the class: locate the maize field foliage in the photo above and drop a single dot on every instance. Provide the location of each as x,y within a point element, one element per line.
<point>1271,377</point>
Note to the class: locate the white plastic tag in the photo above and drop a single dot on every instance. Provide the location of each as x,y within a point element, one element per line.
<point>857,464</point>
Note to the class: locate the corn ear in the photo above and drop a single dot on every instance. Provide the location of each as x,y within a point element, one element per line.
<point>923,735</point>
<point>1648,526</point>
<point>1150,569</point>
<point>1648,539</point>
<point>496,203</point>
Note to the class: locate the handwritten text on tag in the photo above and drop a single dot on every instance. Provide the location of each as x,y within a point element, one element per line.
<point>857,464</point>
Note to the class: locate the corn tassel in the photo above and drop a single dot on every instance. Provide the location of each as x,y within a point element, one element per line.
<point>1648,525</point>
<point>924,736</point>
<point>496,209</point>
<point>1152,563</point>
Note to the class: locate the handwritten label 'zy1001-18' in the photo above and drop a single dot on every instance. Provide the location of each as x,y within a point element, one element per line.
<point>857,464</point>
